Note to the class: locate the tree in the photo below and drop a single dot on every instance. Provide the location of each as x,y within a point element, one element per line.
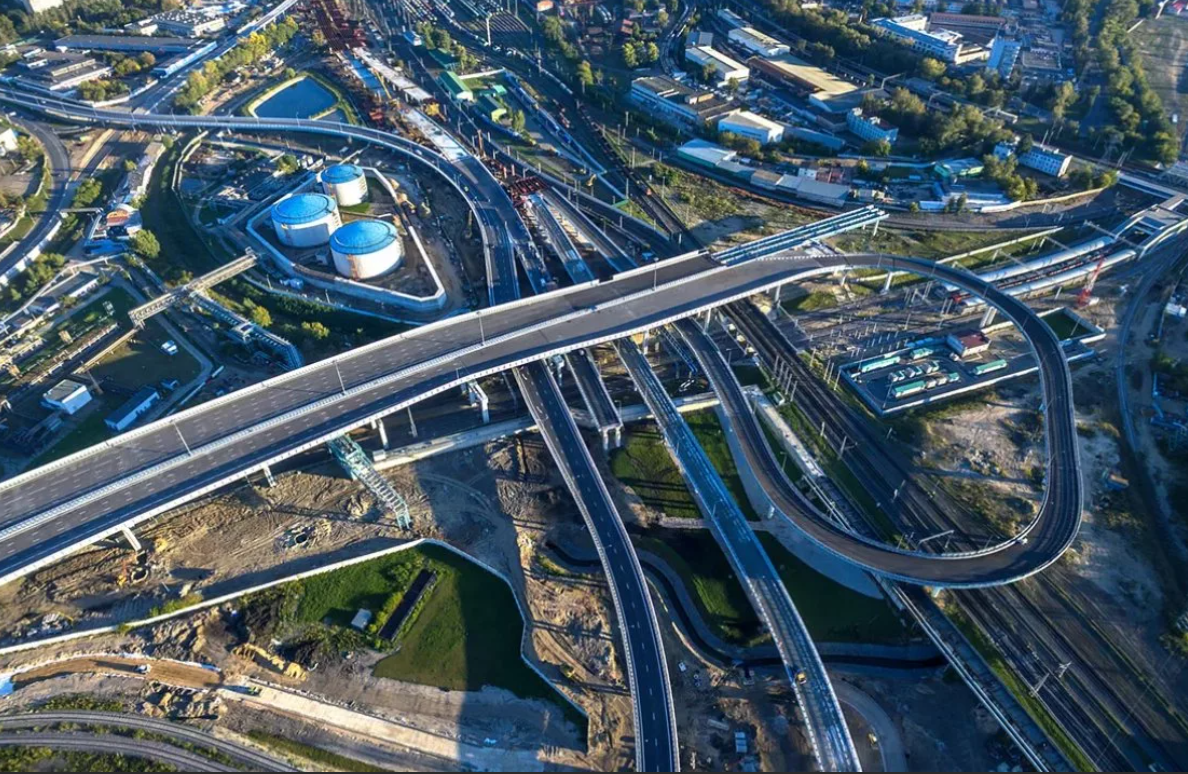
<point>879,148</point>
<point>662,18</point>
<point>1026,143</point>
<point>147,60</point>
<point>315,330</point>
<point>708,73</point>
<point>129,165</point>
<point>518,121</point>
<point>931,69</point>
<point>144,243</point>
<point>585,75</point>
<point>630,57</point>
<point>287,164</point>
<point>261,316</point>
<point>652,52</point>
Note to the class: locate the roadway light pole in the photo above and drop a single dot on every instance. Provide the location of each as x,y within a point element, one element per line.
<point>189,451</point>
<point>341,383</point>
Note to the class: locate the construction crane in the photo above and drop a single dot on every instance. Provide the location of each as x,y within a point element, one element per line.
<point>1087,291</point>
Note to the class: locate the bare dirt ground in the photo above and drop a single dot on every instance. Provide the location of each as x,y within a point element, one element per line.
<point>497,503</point>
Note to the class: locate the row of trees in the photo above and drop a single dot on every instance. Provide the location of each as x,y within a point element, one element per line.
<point>79,16</point>
<point>441,40</point>
<point>98,91</point>
<point>1139,120</point>
<point>962,130</point>
<point>249,51</point>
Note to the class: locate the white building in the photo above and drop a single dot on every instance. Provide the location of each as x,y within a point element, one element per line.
<point>8,141</point>
<point>752,126</point>
<point>37,6</point>
<point>67,396</point>
<point>672,102</point>
<point>945,45</point>
<point>725,69</point>
<point>871,128</point>
<point>1004,54</point>
<point>757,42</point>
<point>133,409</point>
<point>1039,157</point>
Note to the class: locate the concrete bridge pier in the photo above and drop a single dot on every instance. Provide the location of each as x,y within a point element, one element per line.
<point>379,427</point>
<point>478,397</point>
<point>988,317</point>
<point>130,536</point>
<point>267,471</point>
<point>887,283</point>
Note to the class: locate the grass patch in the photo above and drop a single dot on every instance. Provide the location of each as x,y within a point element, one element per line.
<point>140,361</point>
<point>45,759</point>
<point>331,761</point>
<point>1065,326</point>
<point>709,433</point>
<point>1021,691</point>
<point>88,432</point>
<point>182,249</point>
<point>810,302</point>
<point>831,611</point>
<point>465,637</point>
<point>708,578</point>
<point>644,464</point>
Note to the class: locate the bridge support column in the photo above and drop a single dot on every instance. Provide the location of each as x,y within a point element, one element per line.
<point>989,316</point>
<point>775,296</point>
<point>478,397</point>
<point>383,432</point>
<point>709,318</point>
<point>267,471</point>
<point>130,536</point>
<point>412,423</point>
<point>887,283</point>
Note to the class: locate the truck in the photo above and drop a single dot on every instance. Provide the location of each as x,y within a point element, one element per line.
<point>801,675</point>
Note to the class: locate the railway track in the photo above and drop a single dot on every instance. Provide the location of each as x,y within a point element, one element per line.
<point>1094,711</point>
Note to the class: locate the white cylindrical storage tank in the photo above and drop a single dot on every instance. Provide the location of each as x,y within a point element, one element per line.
<point>366,248</point>
<point>345,182</point>
<point>305,220</point>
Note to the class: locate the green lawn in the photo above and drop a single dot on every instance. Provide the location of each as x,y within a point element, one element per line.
<point>708,429</point>
<point>1065,326</point>
<point>644,464</point>
<point>696,556</point>
<point>810,302</point>
<point>831,611</point>
<point>466,635</point>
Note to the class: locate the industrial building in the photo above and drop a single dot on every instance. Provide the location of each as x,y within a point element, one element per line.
<point>345,182</point>
<point>364,249</point>
<point>192,24</point>
<point>61,71</point>
<point>457,88</point>
<point>305,220</point>
<point>1004,55</point>
<point>67,396</point>
<point>980,29</point>
<point>1039,157</point>
<point>825,91</point>
<point>37,6</point>
<point>133,409</point>
<point>871,128</point>
<point>968,343</point>
<point>752,126</point>
<point>725,69</point>
<point>672,102</point>
<point>158,46</point>
<point>945,45</point>
<point>757,42</point>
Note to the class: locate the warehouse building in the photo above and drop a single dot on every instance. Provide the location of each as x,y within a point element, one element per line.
<point>61,71</point>
<point>1039,157</point>
<point>133,409</point>
<point>67,396</point>
<point>675,103</point>
<point>192,24</point>
<point>757,43</point>
<point>825,91</point>
<point>752,126</point>
<point>456,87</point>
<point>725,69</point>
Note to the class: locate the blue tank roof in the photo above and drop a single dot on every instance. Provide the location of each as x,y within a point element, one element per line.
<point>341,173</point>
<point>363,236</point>
<point>303,208</point>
